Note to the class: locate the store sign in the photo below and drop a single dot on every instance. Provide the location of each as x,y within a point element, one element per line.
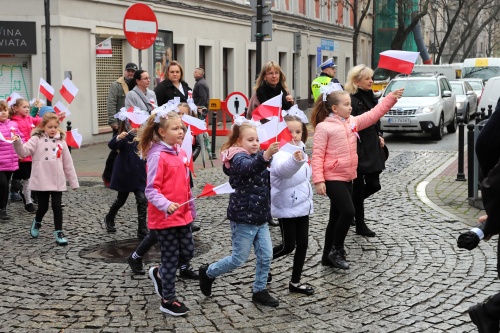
<point>17,37</point>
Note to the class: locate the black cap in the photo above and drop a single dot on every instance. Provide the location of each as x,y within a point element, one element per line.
<point>131,65</point>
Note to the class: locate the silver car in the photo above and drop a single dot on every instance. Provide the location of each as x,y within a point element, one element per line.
<point>466,98</point>
<point>477,85</point>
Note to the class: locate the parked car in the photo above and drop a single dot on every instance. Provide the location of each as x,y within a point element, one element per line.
<point>477,85</point>
<point>381,78</point>
<point>466,98</point>
<point>427,105</point>
<point>491,93</point>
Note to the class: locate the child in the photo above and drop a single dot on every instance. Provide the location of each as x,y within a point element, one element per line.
<point>52,165</point>
<point>167,188</point>
<point>8,157</point>
<point>20,114</point>
<point>291,199</point>
<point>249,210</point>
<point>129,175</point>
<point>334,162</point>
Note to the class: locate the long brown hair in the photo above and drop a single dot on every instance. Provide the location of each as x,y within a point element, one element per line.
<point>18,103</point>
<point>234,135</point>
<point>49,116</point>
<point>267,67</point>
<point>321,109</point>
<point>174,63</point>
<point>305,135</point>
<point>149,132</point>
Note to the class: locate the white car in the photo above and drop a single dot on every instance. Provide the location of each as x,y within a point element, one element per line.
<point>427,105</point>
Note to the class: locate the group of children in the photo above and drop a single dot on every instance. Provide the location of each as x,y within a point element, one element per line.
<point>34,151</point>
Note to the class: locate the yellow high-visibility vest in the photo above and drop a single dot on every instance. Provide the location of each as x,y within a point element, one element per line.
<point>322,80</point>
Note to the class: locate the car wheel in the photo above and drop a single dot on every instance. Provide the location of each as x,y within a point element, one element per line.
<point>438,132</point>
<point>452,127</point>
<point>466,116</point>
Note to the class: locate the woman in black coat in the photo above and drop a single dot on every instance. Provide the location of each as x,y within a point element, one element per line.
<point>371,159</point>
<point>173,85</point>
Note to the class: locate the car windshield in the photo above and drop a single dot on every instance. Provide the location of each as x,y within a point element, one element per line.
<point>481,72</point>
<point>457,88</point>
<point>414,88</point>
<point>381,74</point>
<point>476,85</point>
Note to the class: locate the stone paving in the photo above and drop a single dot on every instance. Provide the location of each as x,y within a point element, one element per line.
<point>410,278</point>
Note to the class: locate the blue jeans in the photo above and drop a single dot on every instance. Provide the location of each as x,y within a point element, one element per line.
<point>243,237</point>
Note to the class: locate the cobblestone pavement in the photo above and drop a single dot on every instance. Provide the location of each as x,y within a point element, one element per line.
<point>410,278</point>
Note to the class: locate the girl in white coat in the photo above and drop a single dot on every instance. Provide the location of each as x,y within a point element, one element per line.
<point>291,198</point>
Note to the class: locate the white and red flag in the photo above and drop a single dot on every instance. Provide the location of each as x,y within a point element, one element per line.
<point>210,190</point>
<point>198,126</point>
<point>73,138</point>
<point>4,139</point>
<point>60,107</point>
<point>46,89</point>
<point>11,100</point>
<point>273,131</point>
<point>398,61</point>
<point>270,108</point>
<point>68,90</point>
<point>187,145</point>
<point>136,116</point>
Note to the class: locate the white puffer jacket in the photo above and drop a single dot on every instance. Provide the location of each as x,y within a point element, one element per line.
<point>291,192</point>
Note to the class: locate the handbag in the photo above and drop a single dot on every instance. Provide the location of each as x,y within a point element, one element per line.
<point>385,152</point>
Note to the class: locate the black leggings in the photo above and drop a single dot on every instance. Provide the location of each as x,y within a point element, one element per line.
<point>4,188</point>
<point>294,231</point>
<point>341,214</point>
<point>364,186</point>
<point>43,207</point>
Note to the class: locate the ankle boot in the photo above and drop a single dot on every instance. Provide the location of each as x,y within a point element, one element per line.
<point>363,230</point>
<point>338,260</point>
<point>109,223</point>
<point>142,211</point>
<point>3,215</point>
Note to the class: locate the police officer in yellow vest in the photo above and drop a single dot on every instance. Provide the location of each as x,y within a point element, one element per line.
<point>328,69</point>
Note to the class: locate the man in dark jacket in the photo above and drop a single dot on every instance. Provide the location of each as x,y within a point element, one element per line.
<point>201,92</point>
<point>328,71</point>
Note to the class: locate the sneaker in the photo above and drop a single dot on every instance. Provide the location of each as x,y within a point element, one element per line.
<point>3,215</point>
<point>60,240</point>
<point>30,208</point>
<point>338,260</point>
<point>174,307</point>
<point>188,273</point>
<point>205,281</point>
<point>484,323</point>
<point>195,227</point>
<point>35,228</point>
<point>135,265</point>
<point>263,297</point>
<point>153,275</point>
<point>15,197</point>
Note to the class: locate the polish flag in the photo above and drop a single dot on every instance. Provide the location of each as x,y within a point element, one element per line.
<point>270,108</point>
<point>136,116</point>
<point>198,126</point>
<point>210,190</point>
<point>73,138</point>
<point>273,131</point>
<point>46,89</point>
<point>4,139</point>
<point>11,100</point>
<point>68,90</point>
<point>398,61</point>
<point>187,146</point>
<point>60,107</point>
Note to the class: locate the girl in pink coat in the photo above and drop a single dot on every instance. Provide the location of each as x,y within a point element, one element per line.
<point>335,160</point>
<point>8,157</point>
<point>52,165</point>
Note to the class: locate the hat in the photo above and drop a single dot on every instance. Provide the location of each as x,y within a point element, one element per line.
<point>131,65</point>
<point>44,109</point>
<point>327,64</point>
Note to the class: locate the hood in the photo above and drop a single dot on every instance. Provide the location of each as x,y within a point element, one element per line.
<point>415,102</point>
<point>157,148</point>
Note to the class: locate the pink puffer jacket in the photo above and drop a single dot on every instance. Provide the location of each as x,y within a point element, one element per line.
<point>334,147</point>
<point>26,125</point>
<point>8,157</point>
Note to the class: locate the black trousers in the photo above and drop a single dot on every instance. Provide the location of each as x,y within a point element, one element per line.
<point>294,235</point>
<point>4,188</point>
<point>364,186</point>
<point>43,207</point>
<point>341,214</point>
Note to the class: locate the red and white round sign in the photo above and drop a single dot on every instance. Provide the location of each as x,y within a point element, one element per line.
<point>140,26</point>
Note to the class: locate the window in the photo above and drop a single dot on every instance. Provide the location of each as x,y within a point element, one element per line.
<point>302,7</point>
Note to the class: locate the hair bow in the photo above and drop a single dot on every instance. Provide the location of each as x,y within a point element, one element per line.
<point>329,88</point>
<point>295,111</point>
<point>122,115</point>
<point>192,106</point>
<point>12,99</point>
<point>162,112</point>
<point>240,120</point>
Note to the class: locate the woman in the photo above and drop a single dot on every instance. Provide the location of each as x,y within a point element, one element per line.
<point>270,83</point>
<point>140,95</point>
<point>172,86</point>
<point>370,145</point>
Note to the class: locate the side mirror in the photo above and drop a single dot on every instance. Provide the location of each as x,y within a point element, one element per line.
<point>446,93</point>
<point>470,92</point>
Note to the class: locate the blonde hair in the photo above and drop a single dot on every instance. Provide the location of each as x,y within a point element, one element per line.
<point>235,134</point>
<point>149,132</point>
<point>18,103</point>
<point>47,117</point>
<point>266,68</point>
<point>321,109</point>
<point>356,74</point>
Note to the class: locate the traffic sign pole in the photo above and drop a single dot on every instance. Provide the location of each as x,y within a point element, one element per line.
<point>258,40</point>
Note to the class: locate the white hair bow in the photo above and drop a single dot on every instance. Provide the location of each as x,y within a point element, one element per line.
<point>240,120</point>
<point>329,88</point>
<point>295,111</point>
<point>192,106</point>
<point>122,115</point>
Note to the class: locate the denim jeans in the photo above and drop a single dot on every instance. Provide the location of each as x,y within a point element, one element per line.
<point>243,236</point>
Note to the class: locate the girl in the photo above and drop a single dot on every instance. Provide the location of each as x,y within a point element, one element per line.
<point>20,114</point>
<point>334,161</point>
<point>8,157</point>
<point>167,187</point>
<point>248,211</point>
<point>291,199</point>
<point>52,164</point>
<point>129,175</point>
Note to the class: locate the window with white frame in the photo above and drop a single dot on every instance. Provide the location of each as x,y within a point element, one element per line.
<point>346,16</point>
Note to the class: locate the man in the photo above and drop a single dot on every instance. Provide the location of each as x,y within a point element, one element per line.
<point>116,95</point>
<point>328,71</point>
<point>201,92</point>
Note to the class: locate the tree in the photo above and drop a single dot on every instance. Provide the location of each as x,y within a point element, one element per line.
<point>405,7</point>
<point>354,5</point>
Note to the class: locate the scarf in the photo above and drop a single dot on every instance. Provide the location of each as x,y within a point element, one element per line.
<point>367,98</point>
<point>266,92</point>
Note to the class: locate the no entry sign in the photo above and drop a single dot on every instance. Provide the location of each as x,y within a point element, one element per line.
<point>140,26</point>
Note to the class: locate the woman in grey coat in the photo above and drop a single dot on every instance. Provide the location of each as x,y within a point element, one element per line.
<point>141,96</point>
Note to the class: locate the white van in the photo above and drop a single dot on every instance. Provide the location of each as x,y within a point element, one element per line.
<point>490,95</point>
<point>451,71</point>
<point>482,68</point>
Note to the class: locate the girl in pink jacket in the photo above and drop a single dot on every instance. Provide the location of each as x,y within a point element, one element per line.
<point>335,160</point>
<point>52,164</point>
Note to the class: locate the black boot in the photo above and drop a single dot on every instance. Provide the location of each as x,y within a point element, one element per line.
<point>363,230</point>
<point>3,215</point>
<point>338,260</point>
<point>142,213</point>
<point>109,223</point>
<point>109,220</point>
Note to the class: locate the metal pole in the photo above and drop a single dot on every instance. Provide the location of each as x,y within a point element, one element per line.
<point>258,40</point>
<point>140,59</point>
<point>214,134</point>
<point>490,111</point>
<point>47,43</point>
<point>470,160</point>
<point>461,144</point>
